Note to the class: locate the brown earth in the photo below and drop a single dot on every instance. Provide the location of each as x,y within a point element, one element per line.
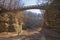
<point>29,35</point>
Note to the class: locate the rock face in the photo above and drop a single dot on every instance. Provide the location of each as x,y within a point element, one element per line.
<point>10,21</point>
<point>52,16</point>
<point>52,20</point>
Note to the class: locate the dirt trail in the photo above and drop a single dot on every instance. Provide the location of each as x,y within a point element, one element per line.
<point>29,35</point>
<point>26,35</point>
<point>51,33</point>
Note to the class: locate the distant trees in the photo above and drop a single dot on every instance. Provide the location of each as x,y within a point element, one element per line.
<point>32,20</point>
<point>10,4</point>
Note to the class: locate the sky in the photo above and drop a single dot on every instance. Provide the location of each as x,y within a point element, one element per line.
<point>37,11</point>
<point>32,2</point>
<point>28,2</point>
